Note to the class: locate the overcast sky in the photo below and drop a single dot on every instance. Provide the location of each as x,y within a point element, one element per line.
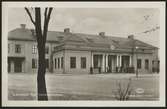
<point>118,22</point>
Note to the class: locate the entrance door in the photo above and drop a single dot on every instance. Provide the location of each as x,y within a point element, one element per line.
<point>109,63</point>
<point>125,63</point>
<point>17,66</point>
<point>97,59</point>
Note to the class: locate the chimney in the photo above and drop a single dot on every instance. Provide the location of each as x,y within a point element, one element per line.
<point>102,34</point>
<point>131,37</point>
<point>67,30</point>
<point>23,26</point>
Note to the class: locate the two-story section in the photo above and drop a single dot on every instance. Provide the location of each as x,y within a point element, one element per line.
<point>23,51</point>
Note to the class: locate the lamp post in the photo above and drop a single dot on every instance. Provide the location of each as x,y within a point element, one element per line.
<point>136,60</point>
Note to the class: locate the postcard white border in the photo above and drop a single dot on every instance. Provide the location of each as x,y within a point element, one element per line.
<point>160,5</point>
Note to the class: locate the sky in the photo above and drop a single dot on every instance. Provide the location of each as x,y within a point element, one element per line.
<point>119,22</point>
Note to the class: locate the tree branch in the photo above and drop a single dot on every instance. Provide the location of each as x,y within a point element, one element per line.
<point>50,10</point>
<point>46,21</point>
<point>46,11</point>
<point>29,14</point>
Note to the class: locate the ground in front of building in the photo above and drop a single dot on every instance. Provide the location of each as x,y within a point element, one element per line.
<point>22,86</point>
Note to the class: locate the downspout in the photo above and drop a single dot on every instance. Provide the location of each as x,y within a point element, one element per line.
<point>64,61</point>
<point>91,68</point>
<point>51,60</point>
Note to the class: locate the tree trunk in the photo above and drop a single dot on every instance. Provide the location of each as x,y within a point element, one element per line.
<point>41,84</point>
<point>41,40</point>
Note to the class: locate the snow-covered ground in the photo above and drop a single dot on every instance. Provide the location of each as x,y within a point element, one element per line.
<point>22,86</point>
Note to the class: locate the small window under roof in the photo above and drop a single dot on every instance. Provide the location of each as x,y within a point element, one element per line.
<point>60,38</point>
<point>89,39</point>
<point>115,41</point>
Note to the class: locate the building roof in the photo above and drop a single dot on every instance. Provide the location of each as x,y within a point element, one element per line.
<point>80,38</point>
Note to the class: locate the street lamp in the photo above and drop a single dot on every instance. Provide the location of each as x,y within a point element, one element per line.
<point>137,63</point>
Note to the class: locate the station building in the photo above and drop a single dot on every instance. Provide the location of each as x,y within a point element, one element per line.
<point>79,53</point>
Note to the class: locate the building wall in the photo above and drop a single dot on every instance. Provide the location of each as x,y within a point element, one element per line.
<point>27,52</point>
<point>78,55</point>
<point>143,57</point>
<point>155,54</point>
<point>57,56</point>
<point>11,51</point>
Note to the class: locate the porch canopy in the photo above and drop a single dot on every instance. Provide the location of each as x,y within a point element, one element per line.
<point>16,58</point>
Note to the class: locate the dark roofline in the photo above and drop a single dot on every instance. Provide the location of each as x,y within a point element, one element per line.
<point>77,34</point>
<point>21,39</point>
<point>147,44</point>
<point>96,35</point>
<point>93,35</point>
<point>51,41</point>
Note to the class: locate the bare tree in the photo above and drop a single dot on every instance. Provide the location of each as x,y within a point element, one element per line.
<point>41,35</point>
<point>123,93</point>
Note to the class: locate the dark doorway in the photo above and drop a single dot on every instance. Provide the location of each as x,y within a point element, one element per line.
<point>125,61</point>
<point>109,63</point>
<point>17,66</point>
<point>9,66</point>
<point>97,61</point>
<point>15,62</point>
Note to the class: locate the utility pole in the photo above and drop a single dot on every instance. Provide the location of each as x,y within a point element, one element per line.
<point>136,60</point>
<point>134,50</point>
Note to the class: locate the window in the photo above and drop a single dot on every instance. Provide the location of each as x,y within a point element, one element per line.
<point>89,40</point>
<point>47,50</point>
<point>55,48</point>
<point>34,63</point>
<point>139,63</point>
<point>34,49</point>
<point>62,62</point>
<point>55,63</point>
<point>47,63</point>
<point>60,38</point>
<point>17,48</point>
<point>83,62</point>
<point>115,41</point>
<point>58,63</point>
<point>8,48</point>
<point>147,64</point>
<point>72,62</point>
<point>153,66</point>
